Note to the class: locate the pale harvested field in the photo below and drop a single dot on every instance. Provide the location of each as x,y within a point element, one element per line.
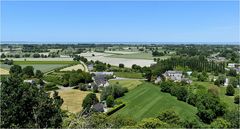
<point>74,67</point>
<point>3,71</point>
<point>127,62</point>
<point>89,54</point>
<point>120,52</point>
<point>73,99</point>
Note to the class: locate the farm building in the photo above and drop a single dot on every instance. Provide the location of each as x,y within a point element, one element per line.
<point>100,78</point>
<point>176,76</point>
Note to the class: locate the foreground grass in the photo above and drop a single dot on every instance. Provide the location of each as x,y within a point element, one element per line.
<point>73,99</point>
<point>130,84</point>
<point>129,75</point>
<point>147,100</point>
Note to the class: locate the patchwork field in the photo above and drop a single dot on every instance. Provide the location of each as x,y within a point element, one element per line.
<point>44,66</point>
<point>41,59</point>
<point>3,71</point>
<point>73,99</point>
<point>147,100</point>
<point>130,84</point>
<point>120,52</point>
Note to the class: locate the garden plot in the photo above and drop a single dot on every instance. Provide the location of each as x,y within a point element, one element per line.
<point>74,67</point>
<point>3,71</point>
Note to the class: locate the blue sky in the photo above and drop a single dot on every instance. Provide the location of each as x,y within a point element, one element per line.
<point>157,21</point>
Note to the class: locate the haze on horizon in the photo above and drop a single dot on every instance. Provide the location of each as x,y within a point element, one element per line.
<point>155,21</point>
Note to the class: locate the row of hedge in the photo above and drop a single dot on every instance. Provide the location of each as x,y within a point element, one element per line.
<point>114,109</point>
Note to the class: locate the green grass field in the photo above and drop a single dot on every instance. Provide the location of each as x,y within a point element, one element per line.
<point>130,84</point>
<point>129,75</point>
<point>147,100</point>
<point>138,56</point>
<point>43,62</point>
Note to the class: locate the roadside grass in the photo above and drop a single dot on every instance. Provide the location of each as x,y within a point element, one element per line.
<point>73,99</point>
<point>147,100</point>
<point>229,100</point>
<point>138,56</point>
<point>129,75</point>
<point>130,84</point>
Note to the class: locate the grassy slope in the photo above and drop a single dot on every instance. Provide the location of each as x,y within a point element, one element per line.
<point>129,75</point>
<point>147,101</point>
<point>130,84</point>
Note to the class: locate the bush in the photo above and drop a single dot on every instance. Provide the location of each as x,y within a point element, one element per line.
<point>152,123</point>
<point>114,109</point>
<point>110,101</point>
<point>121,65</point>
<point>237,99</point>
<point>50,86</point>
<point>230,90</point>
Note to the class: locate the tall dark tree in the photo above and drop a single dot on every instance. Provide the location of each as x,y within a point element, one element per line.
<point>15,69</point>
<point>28,71</point>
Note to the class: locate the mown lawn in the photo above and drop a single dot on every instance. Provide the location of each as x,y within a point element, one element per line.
<point>129,75</point>
<point>130,84</point>
<point>147,100</point>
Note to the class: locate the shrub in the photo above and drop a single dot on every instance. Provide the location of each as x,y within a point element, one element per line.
<point>237,99</point>
<point>114,109</point>
<point>50,86</point>
<point>230,90</point>
<point>152,123</point>
<point>110,101</point>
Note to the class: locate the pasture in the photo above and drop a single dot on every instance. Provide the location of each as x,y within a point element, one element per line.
<point>73,99</point>
<point>130,84</point>
<point>147,100</point>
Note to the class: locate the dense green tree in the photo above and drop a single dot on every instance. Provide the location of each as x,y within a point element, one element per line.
<point>30,107</point>
<point>28,71</point>
<point>88,101</point>
<point>36,55</point>
<point>121,65</point>
<point>100,67</point>
<point>233,116</point>
<point>110,101</point>
<point>166,86</point>
<point>3,55</point>
<point>232,72</point>
<point>115,90</point>
<point>152,123</point>
<point>15,69</point>
<point>220,123</point>
<point>170,117</point>
<point>234,82</point>
<point>237,99</point>
<point>39,74</point>
<point>230,90</point>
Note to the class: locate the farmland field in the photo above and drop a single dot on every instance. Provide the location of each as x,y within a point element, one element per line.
<point>43,62</point>
<point>129,75</point>
<point>41,59</point>
<point>3,71</point>
<point>130,84</point>
<point>73,99</point>
<point>147,100</point>
<point>74,67</point>
<point>147,56</point>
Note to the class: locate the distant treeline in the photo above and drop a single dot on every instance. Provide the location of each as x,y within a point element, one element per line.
<point>194,63</point>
